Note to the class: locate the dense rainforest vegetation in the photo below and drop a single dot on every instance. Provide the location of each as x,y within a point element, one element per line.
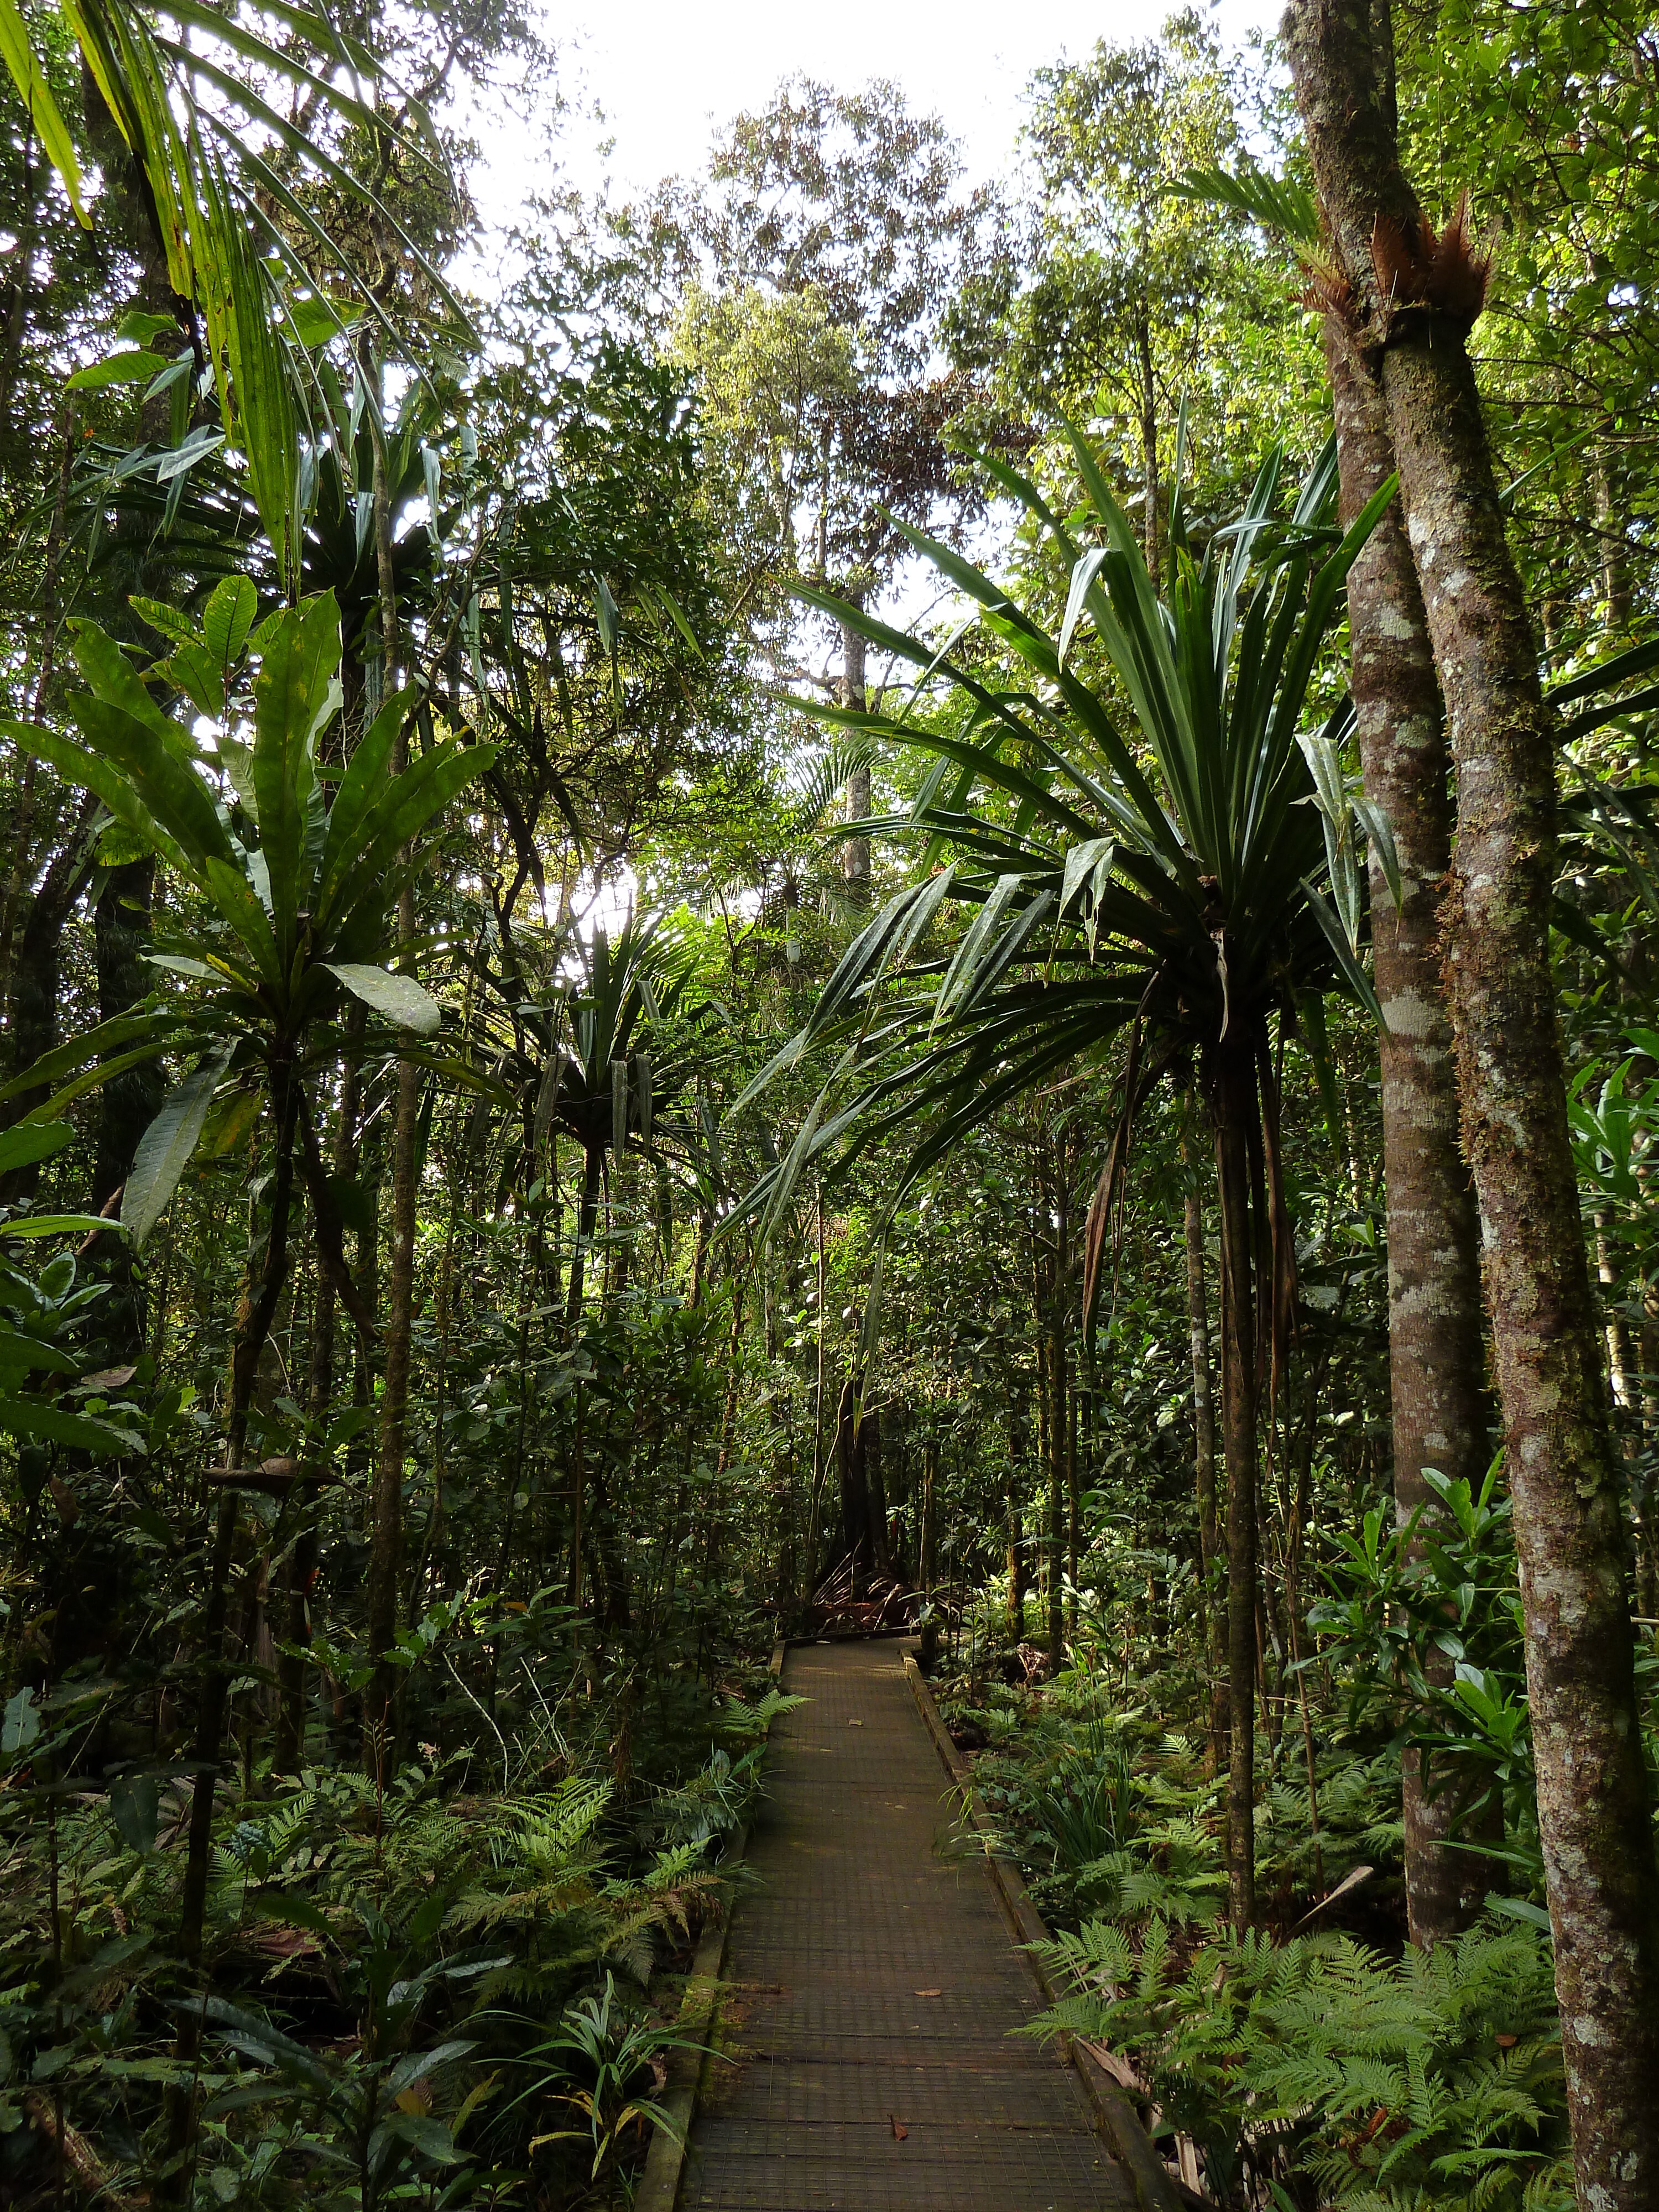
<point>832,900</point>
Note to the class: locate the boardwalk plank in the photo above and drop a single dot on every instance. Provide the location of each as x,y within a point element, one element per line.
<point>874,1982</point>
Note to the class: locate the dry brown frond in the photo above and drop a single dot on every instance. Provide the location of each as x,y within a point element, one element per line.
<point>1445,272</point>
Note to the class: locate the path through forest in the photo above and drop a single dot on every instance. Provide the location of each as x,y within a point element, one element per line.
<point>873,1985</point>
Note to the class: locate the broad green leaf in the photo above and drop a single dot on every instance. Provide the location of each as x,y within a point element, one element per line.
<point>116,368</point>
<point>85,767</point>
<point>168,620</point>
<point>227,618</point>
<point>183,457</point>
<point>164,1148</point>
<point>154,1026</point>
<point>400,998</point>
<point>135,1804</point>
<point>33,1355</point>
<point>31,1417</point>
<point>55,1224</point>
<point>29,1141</point>
<point>22,1721</point>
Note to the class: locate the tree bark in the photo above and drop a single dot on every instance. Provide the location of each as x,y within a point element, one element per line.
<point>1436,1352</point>
<point>855,852</point>
<point>128,1103</point>
<point>253,1321</point>
<point>928,1545</point>
<point>1564,1475</point>
<point>850,1464</point>
<point>386,1529</point>
<point>1015,1515</point>
<point>1152,521</point>
<point>37,977</point>
<point>1209,1538</point>
<point>1236,1107</point>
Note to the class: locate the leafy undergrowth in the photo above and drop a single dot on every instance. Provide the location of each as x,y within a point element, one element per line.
<point>1321,2061</point>
<point>432,1995</point>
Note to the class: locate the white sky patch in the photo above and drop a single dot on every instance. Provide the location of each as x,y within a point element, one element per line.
<point>666,77</point>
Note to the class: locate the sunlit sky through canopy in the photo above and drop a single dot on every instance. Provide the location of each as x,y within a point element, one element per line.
<point>666,73</point>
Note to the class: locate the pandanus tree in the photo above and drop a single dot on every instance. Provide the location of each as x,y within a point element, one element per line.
<point>295,897</point>
<point>1140,843</point>
<point>589,1059</point>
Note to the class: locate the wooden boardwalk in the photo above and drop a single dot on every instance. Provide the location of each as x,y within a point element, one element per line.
<point>873,1984</point>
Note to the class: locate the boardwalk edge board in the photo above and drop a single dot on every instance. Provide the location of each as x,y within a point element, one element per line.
<point>659,2183</point>
<point>1119,2122</point>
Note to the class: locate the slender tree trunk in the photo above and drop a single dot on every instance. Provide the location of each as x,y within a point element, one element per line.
<point>289,1751</point>
<point>37,976</point>
<point>927,1544</point>
<point>1213,1615</point>
<point>386,1554</point>
<point>855,852</point>
<point>1236,1107</point>
<point>875,1493</point>
<point>1565,1477</point>
<point>1019,1446</point>
<point>259,1308</point>
<point>1152,521</point>
<point>587,1221</point>
<point>1436,1354</point>
<point>1614,549</point>
<point>128,1103</point>
<point>851,1466</point>
<point>1056,1426</point>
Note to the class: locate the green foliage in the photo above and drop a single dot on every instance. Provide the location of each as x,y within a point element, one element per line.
<point>1434,2082</point>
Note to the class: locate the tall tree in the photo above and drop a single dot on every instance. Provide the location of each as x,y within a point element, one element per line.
<point>837,222</point>
<point>1408,299</point>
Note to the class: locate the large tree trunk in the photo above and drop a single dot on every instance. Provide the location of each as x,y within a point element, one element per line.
<point>1436,1355</point>
<point>1565,1477</point>
<point>1237,1108</point>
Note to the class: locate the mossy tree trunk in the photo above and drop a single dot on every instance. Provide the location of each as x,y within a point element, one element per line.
<point>1408,323</point>
<point>1436,1350</point>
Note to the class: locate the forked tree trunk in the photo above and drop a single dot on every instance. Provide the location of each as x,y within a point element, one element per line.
<point>1237,1110</point>
<point>1565,1477</point>
<point>1436,1353</point>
